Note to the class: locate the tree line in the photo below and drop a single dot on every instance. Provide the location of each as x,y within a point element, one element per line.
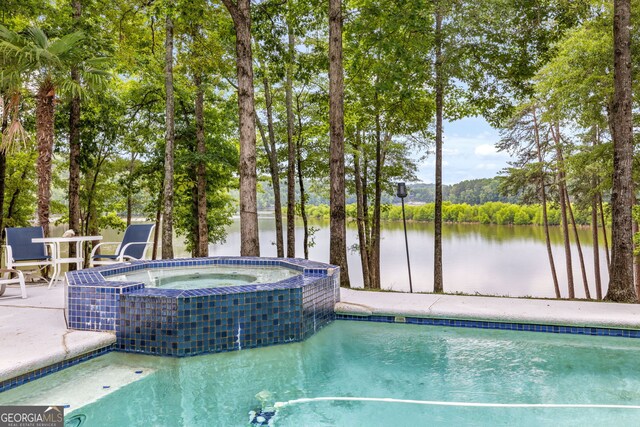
<point>498,213</point>
<point>472,192</point>
<point>170,106</point>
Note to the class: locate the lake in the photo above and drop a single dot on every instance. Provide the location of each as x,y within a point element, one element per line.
<point>477,258</point>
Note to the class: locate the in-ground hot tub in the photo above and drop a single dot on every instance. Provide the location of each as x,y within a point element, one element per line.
<point>184,307</point>
<point>208,276</point>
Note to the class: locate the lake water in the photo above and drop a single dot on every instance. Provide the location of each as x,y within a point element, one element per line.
<point>484,259</point>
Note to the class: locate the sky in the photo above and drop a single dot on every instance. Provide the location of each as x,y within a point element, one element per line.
<point>468,152</point>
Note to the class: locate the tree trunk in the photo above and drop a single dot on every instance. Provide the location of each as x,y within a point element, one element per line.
<point>91,218</point>
<point>636,258</point>
<point>605,238</point>
<point>3,168</point>
<point>338,227</point>
<point>169,150</point>
<point>3,174</point>
<point>438,285</point>
<point>365,209</point>
<point>201,173</point>
<point>92,230</point>
<point>374,254</point>
<point>156,229</point>
<point>303,195</point>
<point>291,150</point>
<point>74,150</point>
<point>598,204</point>
<point>621,286</point>
<point>636,264</point>
<point>545,216</point>
<point>74,169</point>
<point>44,135</point>
<point>272,155</point>
<point>303,204</point>
<point>195,226</point>
<point>364,253</point>
<point>565,237</point>
<point>583,268</point>
<point>129,190</point>
<point>563,211</point>
<point>596,246</point>
<point>249,241</point>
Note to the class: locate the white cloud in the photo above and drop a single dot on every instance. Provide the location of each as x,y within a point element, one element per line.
<point>468,152</point>
<point>485,150</point>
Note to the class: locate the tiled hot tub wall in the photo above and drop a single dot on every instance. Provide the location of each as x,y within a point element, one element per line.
<point>319,298</point>
<point>187,322</point>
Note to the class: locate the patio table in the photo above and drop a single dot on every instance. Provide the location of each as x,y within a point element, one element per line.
<point>57,255</point>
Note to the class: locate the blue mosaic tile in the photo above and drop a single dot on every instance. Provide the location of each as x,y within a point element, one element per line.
<point>457,323</point>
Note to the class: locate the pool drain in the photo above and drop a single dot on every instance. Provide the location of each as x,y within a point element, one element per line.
<point>75,421</point>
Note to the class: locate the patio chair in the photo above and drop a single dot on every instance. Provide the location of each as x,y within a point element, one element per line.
<point>20,251</point>
<point>133,246</point>
<point>6,279</point>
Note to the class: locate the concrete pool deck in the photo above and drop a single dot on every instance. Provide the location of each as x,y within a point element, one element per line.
<point>34,335</point>
<point>490,309</point>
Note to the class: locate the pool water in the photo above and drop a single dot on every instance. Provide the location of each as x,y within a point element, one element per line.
<point>205,276</point>
<point>360,359</point>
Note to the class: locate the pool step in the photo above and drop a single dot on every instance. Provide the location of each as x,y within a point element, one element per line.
<point>77,386</point>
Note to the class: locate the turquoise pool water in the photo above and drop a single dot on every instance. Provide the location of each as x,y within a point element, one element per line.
<point>205,276</point>
<point>360,359</point>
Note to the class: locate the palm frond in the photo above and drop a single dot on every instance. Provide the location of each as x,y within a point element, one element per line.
<point>10,79</point>
<point>72,89</point>
<point>98,63</point>
<point>96,80</point>
<point>8,52</point>
<point>10,36</point>
<point>65,43</point>
<point>101,73</point>
<point>39,37</point>
<point>36,57</point>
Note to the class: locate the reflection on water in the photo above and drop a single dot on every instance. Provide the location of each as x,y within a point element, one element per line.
<point>477,258</point>
<point>484,259</point>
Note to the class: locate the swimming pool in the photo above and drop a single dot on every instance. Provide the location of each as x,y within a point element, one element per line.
<point>361,359</point>
<point>202,277</point>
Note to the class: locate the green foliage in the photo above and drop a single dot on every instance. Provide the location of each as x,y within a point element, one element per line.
<point>112,221</point>
<point>498,213</point>
<point>20,190</point>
